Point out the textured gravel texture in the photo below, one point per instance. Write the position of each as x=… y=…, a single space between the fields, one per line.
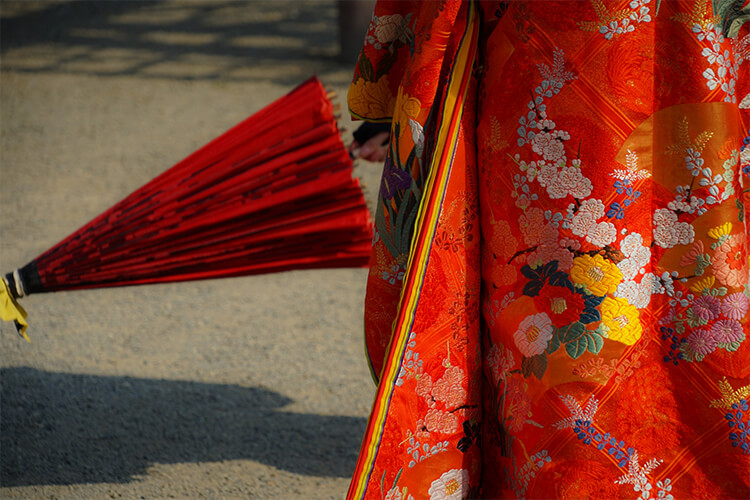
x=250 y=387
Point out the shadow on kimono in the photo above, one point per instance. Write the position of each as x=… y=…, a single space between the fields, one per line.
x=62 y=428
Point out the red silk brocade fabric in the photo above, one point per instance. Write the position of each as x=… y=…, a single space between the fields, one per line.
x=558 y=299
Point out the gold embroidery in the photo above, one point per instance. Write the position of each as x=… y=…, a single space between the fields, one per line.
x=697 y=16
x=684 y=143
x=604 y=15
x=729 y=396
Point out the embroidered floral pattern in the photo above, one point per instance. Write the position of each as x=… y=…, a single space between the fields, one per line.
x=593 y=217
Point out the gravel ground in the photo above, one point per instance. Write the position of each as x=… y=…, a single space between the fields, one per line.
x=250 y=387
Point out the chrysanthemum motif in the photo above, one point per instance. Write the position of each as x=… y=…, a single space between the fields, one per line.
x=702 y=342
x=727 y=331
x=451 y=485
x=533 y=334
x=706 y=307
x=735 y=306
x=719 y=231
x=703 y=284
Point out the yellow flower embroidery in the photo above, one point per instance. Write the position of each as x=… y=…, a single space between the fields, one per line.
x=371 y=100
x=622 y=319
x=703 y=284
x=598 y=274
x=719 y=231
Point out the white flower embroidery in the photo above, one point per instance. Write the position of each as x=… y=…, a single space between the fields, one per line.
x=533 y=334
x=452 y=485
x=668 y=232
x=569 y=180
x=602 y=234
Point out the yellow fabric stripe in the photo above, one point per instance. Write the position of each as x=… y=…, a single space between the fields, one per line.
x=427 y=219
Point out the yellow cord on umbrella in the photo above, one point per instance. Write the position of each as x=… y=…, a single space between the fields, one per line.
x=11 y=310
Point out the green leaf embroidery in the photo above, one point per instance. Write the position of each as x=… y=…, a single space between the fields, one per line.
x=572 y=332
x=576 y=348
x=596 y=342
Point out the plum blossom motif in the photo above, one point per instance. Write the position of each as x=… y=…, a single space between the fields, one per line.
x=533 y=334
x=585 y=218
x=440 y=421
x=602 y=234
x=637 y=256
x=531 y=223
x=669 y=232
x=500 y=361
x=549 y=250
x=449 y=389
x=548 y=143
x=568 y=180
x=451 y=485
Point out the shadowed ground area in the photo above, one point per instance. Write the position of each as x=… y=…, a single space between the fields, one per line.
x=205 y=40
x=252 y=387
x=59 y=428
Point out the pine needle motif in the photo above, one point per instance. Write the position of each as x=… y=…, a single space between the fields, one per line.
x=697 y=16
x=604 y=15
x=685 y=145
x=729 y=395
x=557 y=74
x=496 y=143
x=632 y=173
x=576 y=412
x=637 y=474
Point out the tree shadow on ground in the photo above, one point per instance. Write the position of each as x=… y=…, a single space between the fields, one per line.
x=60 y=428
x=281 y=41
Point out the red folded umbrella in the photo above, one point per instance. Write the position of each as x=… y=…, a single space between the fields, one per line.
x=273 y=193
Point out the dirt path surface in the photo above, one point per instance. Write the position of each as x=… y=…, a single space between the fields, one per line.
x=240 y=388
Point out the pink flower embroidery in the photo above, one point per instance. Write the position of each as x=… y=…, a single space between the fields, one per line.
x=449 y=388
x=702 y=342
x=533 y=334
x=424 y=385
x=735 y=305
x=500 y=362
x=441 y=421
x=531 y=224
x=729 y=262
x=706 y=307
x=727 y=331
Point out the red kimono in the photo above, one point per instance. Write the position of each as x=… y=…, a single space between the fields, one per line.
x=558 y=298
